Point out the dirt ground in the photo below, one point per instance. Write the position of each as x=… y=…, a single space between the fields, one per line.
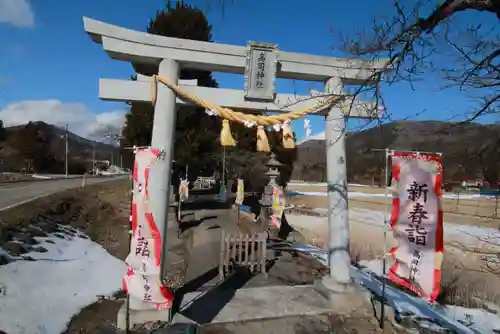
x=327 y=324
x=102 y=212
x=97 y=210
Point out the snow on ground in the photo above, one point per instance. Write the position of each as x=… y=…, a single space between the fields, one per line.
x=36 y=176
x=477 y=321
x=323 y=184
x=41 y=296
x=371 y=195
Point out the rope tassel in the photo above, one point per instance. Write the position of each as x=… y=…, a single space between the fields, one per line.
x=226 y=138
x=262 y=142
x=288 y=140
x=154 y=89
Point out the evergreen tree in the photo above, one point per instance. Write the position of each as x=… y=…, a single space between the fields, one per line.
x=197 y=134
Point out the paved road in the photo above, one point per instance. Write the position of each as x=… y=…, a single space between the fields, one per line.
x=21 y=192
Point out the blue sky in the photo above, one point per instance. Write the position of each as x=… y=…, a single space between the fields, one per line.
x=49 y=67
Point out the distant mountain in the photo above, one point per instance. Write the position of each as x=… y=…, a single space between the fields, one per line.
x=40 y=147
x=469 y=150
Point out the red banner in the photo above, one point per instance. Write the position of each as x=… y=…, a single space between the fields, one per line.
x=142 y=280
x=417 y=223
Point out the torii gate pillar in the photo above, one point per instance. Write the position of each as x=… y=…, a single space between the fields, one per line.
x=163 y=137
x=339 y=260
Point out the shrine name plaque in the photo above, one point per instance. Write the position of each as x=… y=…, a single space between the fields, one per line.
x=260 y=71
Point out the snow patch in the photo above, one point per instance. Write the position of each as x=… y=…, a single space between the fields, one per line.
x=41 y=296
x=460 y=319
x=296 y=183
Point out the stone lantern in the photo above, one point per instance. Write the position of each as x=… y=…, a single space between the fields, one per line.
x=266 y=201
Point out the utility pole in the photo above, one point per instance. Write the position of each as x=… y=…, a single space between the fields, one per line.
x=66 y=152
x=93 y=158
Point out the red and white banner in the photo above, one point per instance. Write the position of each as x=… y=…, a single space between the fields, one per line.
x=279 y=203
x=142 y=280
x=417 y=223
x=240 y=192
x=183 y=190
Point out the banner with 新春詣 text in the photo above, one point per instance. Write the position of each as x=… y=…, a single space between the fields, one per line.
x=240 y=192
x=417 y=223
x=142 y=280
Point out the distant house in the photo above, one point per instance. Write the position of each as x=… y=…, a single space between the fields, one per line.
x=470 y=183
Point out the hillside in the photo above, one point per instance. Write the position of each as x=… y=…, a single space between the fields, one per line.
x=469 y=150
x=40 y=147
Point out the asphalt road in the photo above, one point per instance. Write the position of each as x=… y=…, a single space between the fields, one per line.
x=13 y=194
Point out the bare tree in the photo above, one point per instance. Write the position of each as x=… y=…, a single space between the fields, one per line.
x=408 y=39
x=109 y=134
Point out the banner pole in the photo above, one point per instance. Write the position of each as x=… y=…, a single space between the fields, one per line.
x=179 y=210
x=127 y=301
x=384 y=259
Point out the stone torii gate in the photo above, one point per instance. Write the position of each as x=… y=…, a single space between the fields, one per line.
x=172 y=54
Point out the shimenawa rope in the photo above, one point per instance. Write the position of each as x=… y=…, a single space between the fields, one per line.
x=249 y=120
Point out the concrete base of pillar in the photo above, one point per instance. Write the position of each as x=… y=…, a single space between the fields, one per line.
x=139 y=317
x=343 y=298
x=328 y=283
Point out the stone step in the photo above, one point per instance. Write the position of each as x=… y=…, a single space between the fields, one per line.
x=222 y=306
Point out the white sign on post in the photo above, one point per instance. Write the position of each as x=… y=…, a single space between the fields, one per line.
x=260 y=71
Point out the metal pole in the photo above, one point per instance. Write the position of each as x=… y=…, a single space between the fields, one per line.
x=66 y=152
x=384 y=259
x=223 y=190
x=179 y=215
x=127 y=301
x=495 y=215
